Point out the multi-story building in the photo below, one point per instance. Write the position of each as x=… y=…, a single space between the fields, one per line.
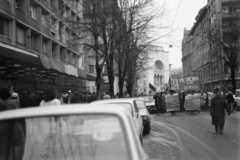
x=199 y=54
x=39 y=45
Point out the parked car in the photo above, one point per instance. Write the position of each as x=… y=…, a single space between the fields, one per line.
x=150 y=103
x=129 y=104
x=237 y=99
x=69 y=132
x=146 y=119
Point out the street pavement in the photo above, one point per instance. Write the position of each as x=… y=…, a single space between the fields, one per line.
x=192 y=137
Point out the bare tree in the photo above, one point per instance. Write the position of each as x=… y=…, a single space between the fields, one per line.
x=135 y=34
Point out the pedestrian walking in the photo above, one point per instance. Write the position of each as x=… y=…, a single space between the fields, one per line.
x=217 y=111
x=230 y=101
x=50 y=97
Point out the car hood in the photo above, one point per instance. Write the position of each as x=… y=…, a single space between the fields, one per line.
x=143 y=112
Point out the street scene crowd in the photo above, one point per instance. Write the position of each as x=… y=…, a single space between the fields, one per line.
x=215 y=102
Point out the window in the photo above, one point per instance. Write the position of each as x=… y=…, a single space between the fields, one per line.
x=91 y=68
x=44 y=19
x=44 y=46
x=20 y=34
x=4 y=27
x=34 y=42
x=33 y=11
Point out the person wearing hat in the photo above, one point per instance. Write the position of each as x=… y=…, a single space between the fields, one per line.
x=217 y=111
x=69 y=97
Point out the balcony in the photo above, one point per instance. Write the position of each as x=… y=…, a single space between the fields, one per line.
x=45 y=3
x=35 y=24
x=4 y=39
x=5 y=7
x=20 y=15
x=46 y=30
x=56 y=12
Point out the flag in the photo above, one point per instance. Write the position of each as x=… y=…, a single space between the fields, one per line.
x=152 y=87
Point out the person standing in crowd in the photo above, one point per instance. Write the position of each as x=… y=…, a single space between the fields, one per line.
x=158 y=99
x=6 y=103
x=69 y=97
x=217 y=111
x=76 y=98
x=50 y=97
x=203 y=100
x=173 y=112
x=27 y=99
x=230 y=101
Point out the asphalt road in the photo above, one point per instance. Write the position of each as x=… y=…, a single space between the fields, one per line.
x=192 y=137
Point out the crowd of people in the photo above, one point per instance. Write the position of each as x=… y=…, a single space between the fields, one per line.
x=11 y=99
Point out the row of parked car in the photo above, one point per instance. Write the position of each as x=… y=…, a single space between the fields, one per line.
x=102 y=130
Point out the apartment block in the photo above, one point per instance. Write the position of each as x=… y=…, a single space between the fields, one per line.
x=40 y=45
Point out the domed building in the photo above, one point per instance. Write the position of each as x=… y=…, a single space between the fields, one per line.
x=157 y=73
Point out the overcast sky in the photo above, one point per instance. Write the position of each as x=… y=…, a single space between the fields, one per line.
x=185 y=17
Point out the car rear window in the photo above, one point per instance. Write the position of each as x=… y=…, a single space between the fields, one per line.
x=128 y=106
x=85 y=137
x=140 y=104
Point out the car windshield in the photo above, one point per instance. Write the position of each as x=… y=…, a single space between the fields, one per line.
x=64 y=137
x=140 y=104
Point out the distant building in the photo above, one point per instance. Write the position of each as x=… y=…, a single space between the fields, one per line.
x=158 y=71
x=198 y=55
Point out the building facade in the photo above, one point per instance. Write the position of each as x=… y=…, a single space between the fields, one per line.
x=157 y=73
x=39 y=45
x=199 y=55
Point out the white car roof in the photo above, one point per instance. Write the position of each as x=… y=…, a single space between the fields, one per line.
x=129 y=100
x=63 y=110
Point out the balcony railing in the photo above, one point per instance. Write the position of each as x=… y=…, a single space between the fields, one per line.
x=35 y=23
x=45 y=3
x=46 y=30
x=20 y=15
x=4 y=39
x=5 y=7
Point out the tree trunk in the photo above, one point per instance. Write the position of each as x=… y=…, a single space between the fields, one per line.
x=120 y=85
x=99 y=82
x=233 y=80
x=110 y=72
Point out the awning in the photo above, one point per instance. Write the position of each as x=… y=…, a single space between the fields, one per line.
x=91 y=77
x=70 y=70
x=18 y=54
x=45 y=62
x=82 y=73
x=59 y=66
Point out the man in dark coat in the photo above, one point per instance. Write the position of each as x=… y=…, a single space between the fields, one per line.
x=230 y=101
x=218 y=104
x=158 y=99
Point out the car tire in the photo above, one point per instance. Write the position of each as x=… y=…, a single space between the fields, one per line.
x=147 y=129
